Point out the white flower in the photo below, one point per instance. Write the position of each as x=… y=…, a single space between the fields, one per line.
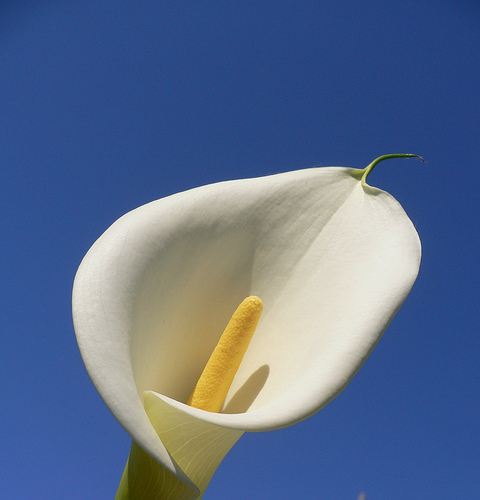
x=332 y=258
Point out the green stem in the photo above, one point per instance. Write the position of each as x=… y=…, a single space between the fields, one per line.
x=370 y=167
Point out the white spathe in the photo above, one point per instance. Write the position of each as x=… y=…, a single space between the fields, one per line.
x=331 y=258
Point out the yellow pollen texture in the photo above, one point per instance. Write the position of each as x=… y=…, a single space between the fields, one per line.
x=217 y=376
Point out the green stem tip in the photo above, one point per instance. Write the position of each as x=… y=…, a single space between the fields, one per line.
x=370 y=167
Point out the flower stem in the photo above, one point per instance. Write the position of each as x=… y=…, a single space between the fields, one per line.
x=367 y=170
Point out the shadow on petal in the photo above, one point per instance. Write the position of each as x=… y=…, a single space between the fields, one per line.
x=246 y=395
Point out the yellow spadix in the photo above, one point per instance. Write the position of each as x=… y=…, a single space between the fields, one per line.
x=217 y=377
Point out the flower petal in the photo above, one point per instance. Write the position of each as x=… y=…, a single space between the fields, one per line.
x=332 y=260
x=197 y=446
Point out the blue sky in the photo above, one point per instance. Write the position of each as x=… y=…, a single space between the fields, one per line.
x=107 y=105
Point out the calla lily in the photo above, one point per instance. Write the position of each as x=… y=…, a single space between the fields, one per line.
x=331 y=257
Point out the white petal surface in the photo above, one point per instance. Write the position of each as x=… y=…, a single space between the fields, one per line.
x=331 y=259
